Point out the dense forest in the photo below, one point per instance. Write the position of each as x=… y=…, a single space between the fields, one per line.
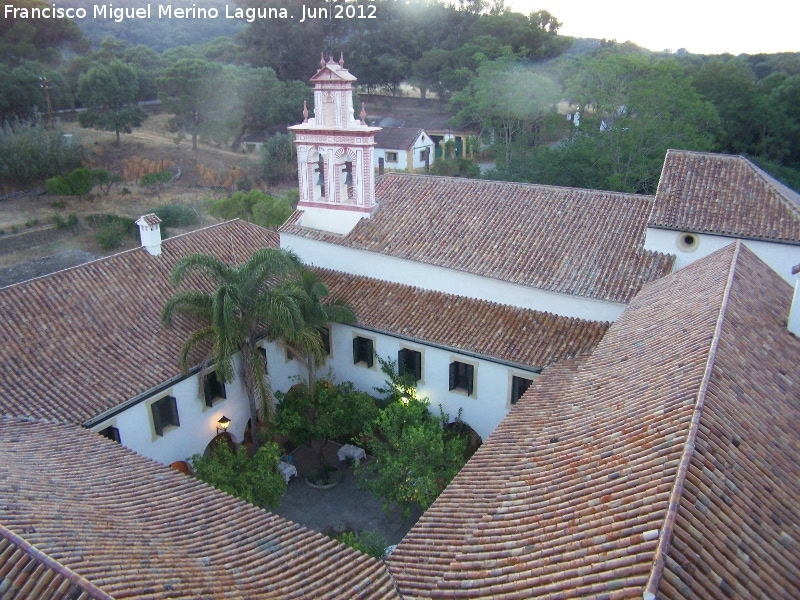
x=502 y=74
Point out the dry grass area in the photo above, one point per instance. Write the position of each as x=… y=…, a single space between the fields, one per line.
x=206 y=173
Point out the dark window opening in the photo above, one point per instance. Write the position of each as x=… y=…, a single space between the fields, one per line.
x=111 y=433
x=213 y=388
x=462 y=377
x=363 y=351
x=165 y=414
x=410 y=362
x=391 y=157
x=325 y=334
x=519 y=385
x=263 y=353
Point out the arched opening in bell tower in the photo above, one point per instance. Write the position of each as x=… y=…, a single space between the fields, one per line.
x=318 y=175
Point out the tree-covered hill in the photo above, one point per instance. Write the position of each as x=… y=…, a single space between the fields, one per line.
x=155 y=33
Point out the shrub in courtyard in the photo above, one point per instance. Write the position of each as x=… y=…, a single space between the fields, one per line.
x=279 y=159
x=335 y=412
x=456 y=167
x=110 y=230
x=176 y=215
x=255 y=479
x=413 y=457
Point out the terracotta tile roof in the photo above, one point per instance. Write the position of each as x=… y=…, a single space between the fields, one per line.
x=689 y=401
x=582 y=242
x=725 y=195
x=737 y=531
x=397 y=138
x=526 y=337
x=149 y=219
x=137 y=529
x=95 y=328
x=27 y=574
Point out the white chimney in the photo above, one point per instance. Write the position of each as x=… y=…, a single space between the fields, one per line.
x=794 y=313
x=150 y=232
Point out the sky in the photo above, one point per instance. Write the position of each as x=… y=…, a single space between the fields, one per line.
x=700 y=26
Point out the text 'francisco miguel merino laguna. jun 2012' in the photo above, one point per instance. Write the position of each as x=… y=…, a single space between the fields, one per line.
x=335 y=10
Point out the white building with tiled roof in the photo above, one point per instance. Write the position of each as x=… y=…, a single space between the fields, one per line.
x=655 y=457
x=403 y=149
x=576 y=253
x=706 y=201
x=86 y=346
x=663 y=465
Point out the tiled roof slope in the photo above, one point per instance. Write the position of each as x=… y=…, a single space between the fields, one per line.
x=571 y=495
x=83 y=340
x=26 y=574
x=526 y=337
x=581 y=242
x=137 y=529
x=401 y=138
x=725 y=195
x=737 y=531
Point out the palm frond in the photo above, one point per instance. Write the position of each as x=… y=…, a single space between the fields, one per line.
x=187 y=302
x=339 y=311
x=267 y=266
x=204 y=264
x=197 y=337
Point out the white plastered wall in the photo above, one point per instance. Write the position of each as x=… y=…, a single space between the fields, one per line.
x=198 y=422
x=482 y=410
x=781 y=257
x=431 y=277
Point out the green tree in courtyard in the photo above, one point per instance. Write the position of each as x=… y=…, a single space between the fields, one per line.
x=414 y=456
x=331 y=412
x=246 y=303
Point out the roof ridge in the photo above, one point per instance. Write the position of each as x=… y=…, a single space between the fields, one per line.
x=786 y=195
x=118 y=254
x=51 y=563
x=523 y=184
x=665 y=538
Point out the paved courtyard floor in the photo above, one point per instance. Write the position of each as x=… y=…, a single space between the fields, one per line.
x=341 y=506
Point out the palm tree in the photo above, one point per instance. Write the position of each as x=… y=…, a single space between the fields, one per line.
x=305 y=344
x=248 y=302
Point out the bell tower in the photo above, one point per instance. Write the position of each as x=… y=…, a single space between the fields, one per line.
x=334 y=154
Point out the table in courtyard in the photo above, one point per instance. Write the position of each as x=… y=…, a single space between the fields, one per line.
x=350 y=451
x=288 y=471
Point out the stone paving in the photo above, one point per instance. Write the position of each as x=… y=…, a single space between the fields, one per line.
x=342 y=506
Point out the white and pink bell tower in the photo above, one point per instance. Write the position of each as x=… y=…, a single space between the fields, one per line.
x=334 y=155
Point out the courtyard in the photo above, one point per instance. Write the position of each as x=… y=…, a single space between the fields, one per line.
x=342 y=507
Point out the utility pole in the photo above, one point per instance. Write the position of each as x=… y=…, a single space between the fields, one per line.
x=45 y=85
